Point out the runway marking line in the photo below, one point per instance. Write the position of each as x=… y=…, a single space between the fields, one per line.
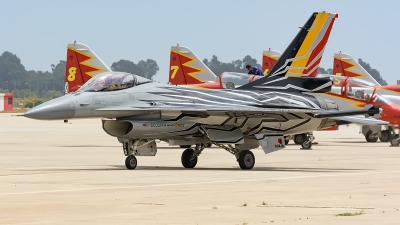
x=194 y=183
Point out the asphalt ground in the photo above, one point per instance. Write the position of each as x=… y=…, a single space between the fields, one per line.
x=73 y=173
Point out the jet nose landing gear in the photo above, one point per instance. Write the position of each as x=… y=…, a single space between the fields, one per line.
x=131 y=162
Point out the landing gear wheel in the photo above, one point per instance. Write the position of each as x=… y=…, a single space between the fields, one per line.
x=187 y=158
x=185 y=146
x=287 y=140
x=131 y=162
x=394 y=141
x=306 y=144
x=208 y=145
x=246 y=160
x=386 y=136
x=299 y=138
x=369 y=137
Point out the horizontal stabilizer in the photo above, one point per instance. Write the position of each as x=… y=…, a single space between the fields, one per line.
x=271 y=142
x=291 y=84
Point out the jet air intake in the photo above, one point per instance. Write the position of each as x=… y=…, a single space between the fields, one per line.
x=117 y=128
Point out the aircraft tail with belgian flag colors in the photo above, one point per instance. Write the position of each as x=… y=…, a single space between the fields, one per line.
x=186 y=68
x=269 y=59
x=301 y=58
x=82 y=64
x=345 y=65
x=304 y=54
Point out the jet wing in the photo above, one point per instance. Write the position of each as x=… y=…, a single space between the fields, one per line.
x=212 y=110
x=246 y=111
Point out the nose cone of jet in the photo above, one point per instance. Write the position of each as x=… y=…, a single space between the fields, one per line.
x=59 y=108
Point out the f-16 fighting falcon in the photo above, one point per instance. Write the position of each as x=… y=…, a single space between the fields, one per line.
x=234 y=120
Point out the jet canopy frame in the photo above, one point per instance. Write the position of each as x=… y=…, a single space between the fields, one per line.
x=112 y=81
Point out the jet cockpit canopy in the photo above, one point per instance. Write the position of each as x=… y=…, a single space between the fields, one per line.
x=112 y=81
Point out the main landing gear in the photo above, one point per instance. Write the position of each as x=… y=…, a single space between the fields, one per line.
x=189 y=158
x=386 y=136
x=370 y=137
x=305 y=140
x=299 y=138
x=246 y=160
x=395 y=141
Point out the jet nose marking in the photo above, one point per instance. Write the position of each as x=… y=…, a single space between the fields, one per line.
x=52 y=110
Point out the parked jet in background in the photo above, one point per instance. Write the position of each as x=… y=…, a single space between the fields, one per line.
x=345 y=65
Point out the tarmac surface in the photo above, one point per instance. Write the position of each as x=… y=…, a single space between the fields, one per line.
x=57 y=173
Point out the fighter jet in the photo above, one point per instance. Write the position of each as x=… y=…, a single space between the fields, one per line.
x=234 y=120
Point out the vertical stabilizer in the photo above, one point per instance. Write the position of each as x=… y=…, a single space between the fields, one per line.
x=303 y=55
x=345 y=65
x=269 y=59
x=301 y=58
x=82 y=64
x=186 y=68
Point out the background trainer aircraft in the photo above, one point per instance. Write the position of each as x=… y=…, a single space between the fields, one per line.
x=345 y=65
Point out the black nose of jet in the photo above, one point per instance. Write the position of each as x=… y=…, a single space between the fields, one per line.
x=60 y=108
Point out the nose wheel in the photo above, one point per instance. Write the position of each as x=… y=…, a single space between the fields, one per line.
x=131 y=162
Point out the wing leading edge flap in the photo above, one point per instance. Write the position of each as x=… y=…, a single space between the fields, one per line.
x=271 y=142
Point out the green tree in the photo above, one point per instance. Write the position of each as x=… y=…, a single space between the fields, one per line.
x=11 y=70
x=145 y=69
x=374 y=73
x=321 y=70
x=148 y=67
x=239 y=66
x=249 y=60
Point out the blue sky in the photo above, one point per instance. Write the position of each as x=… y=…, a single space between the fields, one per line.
x=38 y=31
